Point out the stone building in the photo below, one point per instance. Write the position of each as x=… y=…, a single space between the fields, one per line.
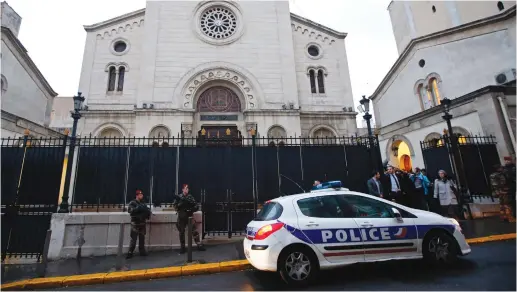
x=177 y=67
x=27 y=97
x=462 y=50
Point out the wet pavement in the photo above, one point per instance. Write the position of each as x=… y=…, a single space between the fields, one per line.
x=214 y=253
x=490 y=266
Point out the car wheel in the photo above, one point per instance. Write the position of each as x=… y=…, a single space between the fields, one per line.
x=440 y=248
x=298 y=266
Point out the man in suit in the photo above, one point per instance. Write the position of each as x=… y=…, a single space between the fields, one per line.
x=392 y=185
x=375 y=185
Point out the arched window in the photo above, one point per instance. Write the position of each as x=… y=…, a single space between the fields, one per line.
x=276 y=132
x=323 y=136
x=312 y=78
x=112 y=75
x=435 y=92
x=121 y=73
x=321 y=85
x=500 y=5
x=218 y=99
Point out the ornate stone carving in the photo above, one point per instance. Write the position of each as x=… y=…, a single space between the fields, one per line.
x=122 y=28
x=219 y=74
x=316 y=35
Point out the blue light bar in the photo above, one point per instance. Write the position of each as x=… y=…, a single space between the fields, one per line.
x=335 y=184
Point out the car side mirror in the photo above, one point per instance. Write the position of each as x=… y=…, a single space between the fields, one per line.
x=397 y=214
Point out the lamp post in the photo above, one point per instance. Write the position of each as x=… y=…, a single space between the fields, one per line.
x=76 y=115
x=364 y=108
x=456 y=158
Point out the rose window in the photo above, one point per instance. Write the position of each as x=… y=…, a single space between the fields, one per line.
x=218 y=23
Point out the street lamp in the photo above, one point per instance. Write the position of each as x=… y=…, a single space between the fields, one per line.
x=457 y=163
x=76 y=115
x=364 y=108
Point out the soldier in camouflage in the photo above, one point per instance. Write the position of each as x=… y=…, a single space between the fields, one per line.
x=139 y=213
x=186 y=205
x=500 y=189
x=509 y=172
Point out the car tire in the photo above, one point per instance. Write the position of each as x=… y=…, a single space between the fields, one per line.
x=298 y=266
x=440 y=248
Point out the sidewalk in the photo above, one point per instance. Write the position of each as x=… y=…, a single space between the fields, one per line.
x=214 y=253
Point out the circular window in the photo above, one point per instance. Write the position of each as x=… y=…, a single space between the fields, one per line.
x=218 y=23
x=421 y=63
x=120 y=46
x=313 y=51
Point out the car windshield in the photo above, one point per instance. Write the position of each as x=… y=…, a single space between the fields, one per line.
x=270 y=211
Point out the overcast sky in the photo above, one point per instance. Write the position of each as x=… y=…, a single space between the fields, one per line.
x=52 y=32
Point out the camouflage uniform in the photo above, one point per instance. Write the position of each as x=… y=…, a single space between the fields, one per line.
x=139 y=214
x=500 y=190
x=184 y=205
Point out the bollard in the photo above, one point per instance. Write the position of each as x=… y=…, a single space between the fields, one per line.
x=42 y=267
x=189 y=235
x=120 y=254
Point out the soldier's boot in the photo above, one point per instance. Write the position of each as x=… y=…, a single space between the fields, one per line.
x=182 y=248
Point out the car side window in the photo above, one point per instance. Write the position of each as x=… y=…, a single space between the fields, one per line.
x=368 y=208
x=322 y=207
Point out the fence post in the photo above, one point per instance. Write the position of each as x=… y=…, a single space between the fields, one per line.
x=189 y=235
x=120 y=247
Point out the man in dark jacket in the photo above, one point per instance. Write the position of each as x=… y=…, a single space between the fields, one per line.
x=185 y=206
x=392 y=184
x=139 y=213
x=374 y=185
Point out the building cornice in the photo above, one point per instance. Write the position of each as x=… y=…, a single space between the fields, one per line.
x=11 y=39
x=407 y=51
x=315 y=25
x=31 y=126
x=115 y=20
x=456 y=102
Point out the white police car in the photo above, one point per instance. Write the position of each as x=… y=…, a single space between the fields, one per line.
x=300 y=234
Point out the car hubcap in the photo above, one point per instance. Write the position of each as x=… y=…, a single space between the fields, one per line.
x=298 y=266
x=440 y=248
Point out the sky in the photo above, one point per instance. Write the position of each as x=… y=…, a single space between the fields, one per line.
x=52 y=32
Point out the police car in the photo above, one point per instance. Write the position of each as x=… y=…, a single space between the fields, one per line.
x=330 y=227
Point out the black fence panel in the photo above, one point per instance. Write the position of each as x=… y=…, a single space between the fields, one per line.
x=192 y=168
x=359 y=167
x=139 y=173
x=101 y=176
x=323 y=163
x=489 y=158
x=216 y=188
x=436 y=159
x=164 y=175
x=478 y=183
x=290 y=164
x=11 y=164
x=41 y=175
x=241 y=187
x=267 y=174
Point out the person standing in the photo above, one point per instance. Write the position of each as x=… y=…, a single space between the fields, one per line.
x=421 y=189
x=509 y=171
x=500 y=189
x=391 y=184
x=139 y=213
x=443 y=190
x=185 y=206
x=316 y=184
x=374 y=185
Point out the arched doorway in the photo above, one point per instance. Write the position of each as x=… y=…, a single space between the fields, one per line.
x=400 y=155
x=219 y=111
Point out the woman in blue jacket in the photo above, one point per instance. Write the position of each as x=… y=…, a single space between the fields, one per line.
x=421 y=199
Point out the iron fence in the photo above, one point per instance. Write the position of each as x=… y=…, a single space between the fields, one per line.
x=478 y=154
x=229 y=176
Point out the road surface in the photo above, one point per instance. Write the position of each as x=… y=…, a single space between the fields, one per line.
x=490 y=266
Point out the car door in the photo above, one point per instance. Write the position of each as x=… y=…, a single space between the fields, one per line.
x=384 y=236
x=332 y=231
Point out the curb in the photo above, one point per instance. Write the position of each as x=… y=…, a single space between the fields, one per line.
x=126 y=276
x=169 y=272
